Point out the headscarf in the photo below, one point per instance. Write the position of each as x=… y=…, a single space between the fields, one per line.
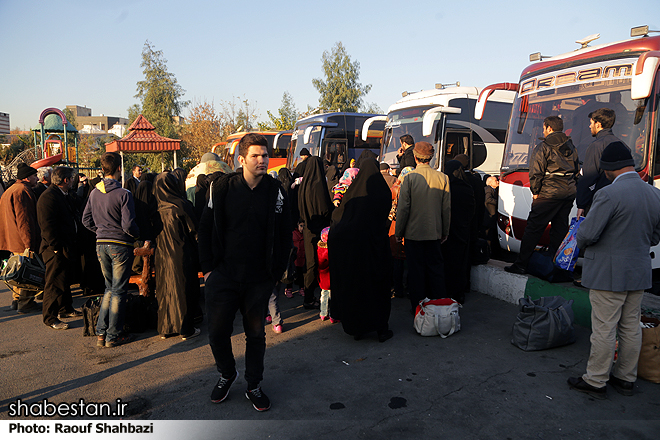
x=167 y=191
x=181 y=174
x=313 y=197
x=454 y=170
x=349 y=176
x=366 y=154
x=404 y=173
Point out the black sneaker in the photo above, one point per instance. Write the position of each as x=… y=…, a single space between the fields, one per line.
x=516 y=268
x=259 y=400
x=221 y=389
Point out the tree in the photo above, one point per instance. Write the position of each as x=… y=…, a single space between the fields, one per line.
x=202 y=129
x=341 y=90
x=288 y=115
x=240 y=117
x=70 y=117
x=161 y=98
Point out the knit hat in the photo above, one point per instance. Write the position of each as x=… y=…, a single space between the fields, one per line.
x=304 y=152
x=25 y=171
x=423 y=150
x=209 y=156
x=384 y=166
x=616 y=156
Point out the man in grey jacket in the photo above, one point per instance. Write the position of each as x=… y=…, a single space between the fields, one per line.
x=620 y=228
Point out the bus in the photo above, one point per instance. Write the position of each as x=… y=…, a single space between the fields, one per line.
x=444 y=117
x=278 y=146
x=622 y=76
x=338 y=136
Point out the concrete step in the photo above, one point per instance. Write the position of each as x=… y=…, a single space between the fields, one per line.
x=491 y=279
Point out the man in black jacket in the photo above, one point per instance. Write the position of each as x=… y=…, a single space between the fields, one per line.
x=244 y=243
x=57 y=221
x=405 y=154
x=553 y=169
x=593 y=178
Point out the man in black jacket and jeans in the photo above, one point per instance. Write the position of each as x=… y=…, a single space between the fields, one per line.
x=553 y=168
x=244 y=243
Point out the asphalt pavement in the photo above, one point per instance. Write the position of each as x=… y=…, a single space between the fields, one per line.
x=325 y=385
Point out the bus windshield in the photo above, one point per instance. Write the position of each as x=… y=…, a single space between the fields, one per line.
x=400 y=122
x=573 y=104
x=298 y=142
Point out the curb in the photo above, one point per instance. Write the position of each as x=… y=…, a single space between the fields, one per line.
x=491 y=279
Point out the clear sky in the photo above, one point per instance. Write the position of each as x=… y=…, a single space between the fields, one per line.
x=88 y=52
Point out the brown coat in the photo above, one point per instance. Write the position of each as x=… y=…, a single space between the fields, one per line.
x=19 y=229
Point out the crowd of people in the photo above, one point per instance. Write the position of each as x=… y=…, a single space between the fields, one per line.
x=361 y=232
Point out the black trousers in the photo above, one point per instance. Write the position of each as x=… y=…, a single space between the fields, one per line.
x=426 y=271
x=544 y=211
x=224 y=297
x=311 y=263
x=57 y=292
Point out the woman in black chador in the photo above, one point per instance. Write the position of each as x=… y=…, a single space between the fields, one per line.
x=175 y=260
x=456 y=250
x=316 y=210
x=359 y=255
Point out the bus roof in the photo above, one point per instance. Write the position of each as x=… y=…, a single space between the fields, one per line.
x=618 y=49
x=324 y=116
x=443 y=96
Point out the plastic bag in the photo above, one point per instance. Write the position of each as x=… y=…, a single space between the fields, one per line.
x=567 y=254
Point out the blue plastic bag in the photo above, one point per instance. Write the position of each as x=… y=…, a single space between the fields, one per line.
x=567 y=254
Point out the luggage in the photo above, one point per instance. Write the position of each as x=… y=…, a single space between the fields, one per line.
x=541 y=266
x=543 y=323
x=25 y=271
x=141 y=314
x=90 y=312
x=649 y=357
x=437 y=317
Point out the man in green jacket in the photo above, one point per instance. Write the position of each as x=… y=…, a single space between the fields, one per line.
x=423 y=216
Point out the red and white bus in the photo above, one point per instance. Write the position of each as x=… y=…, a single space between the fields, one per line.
x=622 y=76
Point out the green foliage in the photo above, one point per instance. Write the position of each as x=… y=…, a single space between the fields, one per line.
x=288 y=115
x=341 y=90
x=70 y=117
x=161 y=98
x=159 y=93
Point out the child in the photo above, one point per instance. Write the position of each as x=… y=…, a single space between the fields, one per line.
x=339 y=189
x=299 y=243
x=324 y=276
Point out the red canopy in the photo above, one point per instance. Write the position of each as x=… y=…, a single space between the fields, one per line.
x=143 y=139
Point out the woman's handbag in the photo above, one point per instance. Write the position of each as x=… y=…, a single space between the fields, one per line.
x=543 y=323
x=437 y=317
x=290 y=273
x=25 y=271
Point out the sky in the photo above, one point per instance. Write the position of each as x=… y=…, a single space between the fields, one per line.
x=88 y=52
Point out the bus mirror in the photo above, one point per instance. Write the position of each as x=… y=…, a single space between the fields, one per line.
x=645 y=70
x=429 y=118
x=486 y=92
x=308 y=132
x=368 y=123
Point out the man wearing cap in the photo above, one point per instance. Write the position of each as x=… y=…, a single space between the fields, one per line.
x=19 y=229
x=385 y=171
x=422 y=218
x=300 y=168
x=623 y=223
x=553 y=168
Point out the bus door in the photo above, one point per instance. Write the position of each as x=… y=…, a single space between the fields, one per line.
x=456 y=141
x=335 y=151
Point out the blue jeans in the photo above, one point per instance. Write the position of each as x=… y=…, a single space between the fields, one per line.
x=116 y=261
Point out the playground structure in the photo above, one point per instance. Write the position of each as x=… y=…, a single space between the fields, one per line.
x=51 y=144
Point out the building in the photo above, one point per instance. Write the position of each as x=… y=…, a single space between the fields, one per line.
x=4 y=123
x=86 y=123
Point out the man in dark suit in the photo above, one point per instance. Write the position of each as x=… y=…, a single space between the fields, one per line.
x=58 y=248
x=620 y=228
x=133 y=181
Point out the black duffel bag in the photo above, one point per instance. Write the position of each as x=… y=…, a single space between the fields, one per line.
x=25 y=271
x=543 y=323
